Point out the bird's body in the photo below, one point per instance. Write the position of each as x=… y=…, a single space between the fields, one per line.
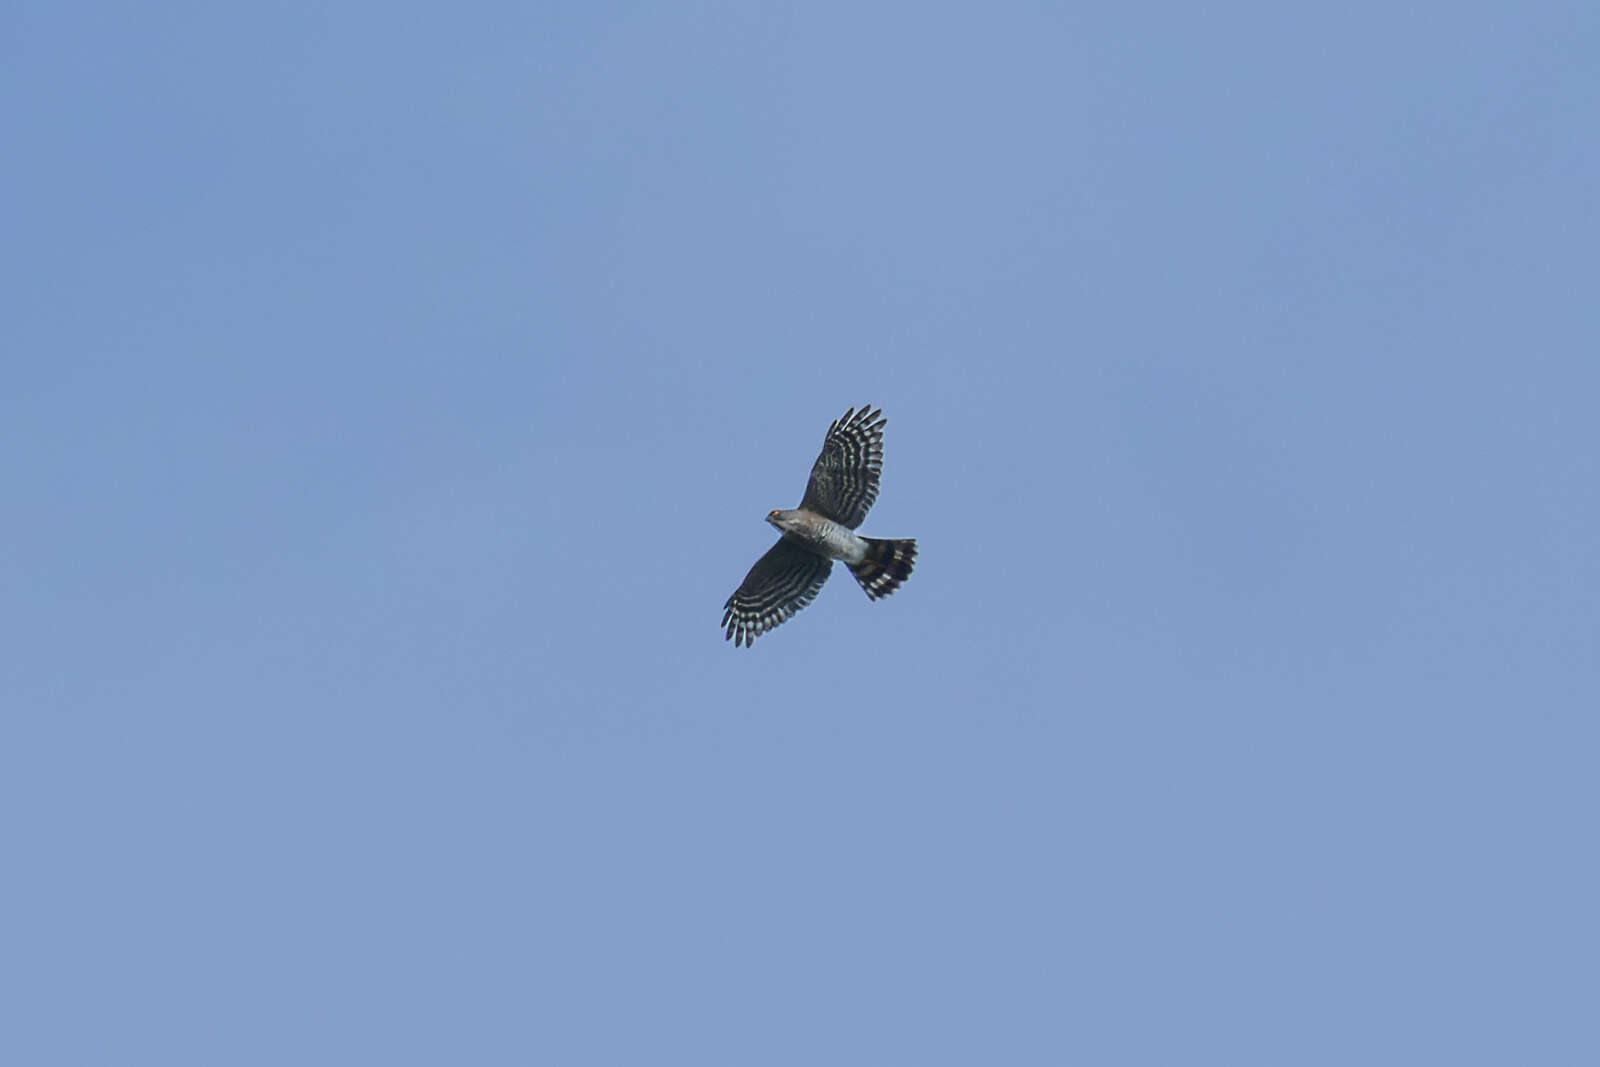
x=843 y=486
x=820 y=534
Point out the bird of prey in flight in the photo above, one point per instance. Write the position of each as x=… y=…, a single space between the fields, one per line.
x=843 y=485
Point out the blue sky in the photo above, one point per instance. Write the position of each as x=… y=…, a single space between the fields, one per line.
x=395 y=393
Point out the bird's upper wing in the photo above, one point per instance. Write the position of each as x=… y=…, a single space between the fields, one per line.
x=844 y=480
x=782 y=582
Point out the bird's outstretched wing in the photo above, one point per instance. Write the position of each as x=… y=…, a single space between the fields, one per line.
x=844 y=480
x=782 y=582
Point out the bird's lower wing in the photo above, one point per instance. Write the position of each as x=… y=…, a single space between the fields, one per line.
x=782 y=582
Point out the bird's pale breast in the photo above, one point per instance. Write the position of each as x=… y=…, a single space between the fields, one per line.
x=825 y=536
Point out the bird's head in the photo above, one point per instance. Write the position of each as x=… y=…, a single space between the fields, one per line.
x=775 y=516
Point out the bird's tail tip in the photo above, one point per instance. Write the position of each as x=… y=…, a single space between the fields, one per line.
x=888 y=563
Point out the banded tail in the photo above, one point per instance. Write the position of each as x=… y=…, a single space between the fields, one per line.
x=888 y=563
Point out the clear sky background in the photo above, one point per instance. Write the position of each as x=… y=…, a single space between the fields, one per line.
x=394 y=393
